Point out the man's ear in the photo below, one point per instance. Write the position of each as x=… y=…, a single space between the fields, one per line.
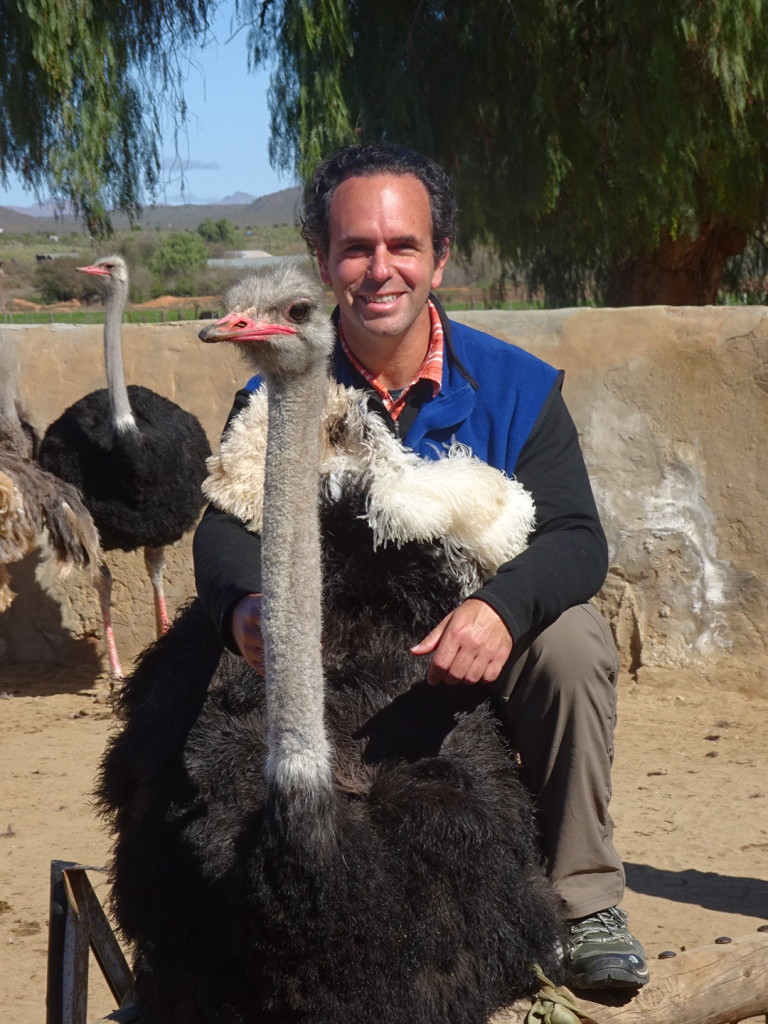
x=437 y=277
x=322 y=266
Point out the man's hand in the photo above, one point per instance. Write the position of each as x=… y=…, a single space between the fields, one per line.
x=470 y=645
x=246 y=630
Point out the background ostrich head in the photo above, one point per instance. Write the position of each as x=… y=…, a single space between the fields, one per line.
x=282 y=306
x=112 y=269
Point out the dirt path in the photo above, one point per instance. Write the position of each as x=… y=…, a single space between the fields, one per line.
x=690 y=797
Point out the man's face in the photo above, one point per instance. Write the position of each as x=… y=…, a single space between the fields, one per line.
x=380 y=260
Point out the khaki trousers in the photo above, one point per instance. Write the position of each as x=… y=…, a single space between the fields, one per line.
x=557 y=699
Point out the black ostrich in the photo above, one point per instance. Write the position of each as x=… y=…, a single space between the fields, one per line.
x=137 y=458
x=339 y=842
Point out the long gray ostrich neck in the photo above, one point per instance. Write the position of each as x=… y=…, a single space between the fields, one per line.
x=298 y=760
x=122 y=416
x=11 y=434
x=8 y=418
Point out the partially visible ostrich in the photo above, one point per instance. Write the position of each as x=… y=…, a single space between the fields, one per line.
x=339 y=842
x=16 y=434
x=33 y=501
x=137 y=458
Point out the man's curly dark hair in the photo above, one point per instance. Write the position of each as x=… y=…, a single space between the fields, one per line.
x=365 y=160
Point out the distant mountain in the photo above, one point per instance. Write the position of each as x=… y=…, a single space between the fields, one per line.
x=236 y=199
x=276 y=208
x=48 y=208
x=241 y=209
x=13 y=219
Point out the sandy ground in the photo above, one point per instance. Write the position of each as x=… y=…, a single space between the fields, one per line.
x=690 y=796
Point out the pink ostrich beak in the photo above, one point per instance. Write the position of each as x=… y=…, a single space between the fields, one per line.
x=236 y=327
x=93 y=270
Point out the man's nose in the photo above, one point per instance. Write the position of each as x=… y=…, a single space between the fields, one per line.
x=380 y=264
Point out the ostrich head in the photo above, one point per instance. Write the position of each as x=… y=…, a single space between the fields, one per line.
x=278 y=317
x=113 y=271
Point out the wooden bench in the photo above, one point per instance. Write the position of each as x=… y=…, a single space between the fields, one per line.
x=722 y=983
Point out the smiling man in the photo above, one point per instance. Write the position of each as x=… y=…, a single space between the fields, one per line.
x=381 y=264
x=381 y=219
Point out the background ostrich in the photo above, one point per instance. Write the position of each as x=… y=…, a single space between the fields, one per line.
x=340 y=842
x=137 y=458
x=31 y=500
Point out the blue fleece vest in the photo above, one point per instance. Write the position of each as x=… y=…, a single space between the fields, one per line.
x=489 y=400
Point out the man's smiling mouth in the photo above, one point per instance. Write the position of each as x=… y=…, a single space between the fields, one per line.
x=380 y=300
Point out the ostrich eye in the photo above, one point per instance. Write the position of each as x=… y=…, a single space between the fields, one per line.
x=299 y=312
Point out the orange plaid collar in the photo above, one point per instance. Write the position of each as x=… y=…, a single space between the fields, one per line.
x=431 y=368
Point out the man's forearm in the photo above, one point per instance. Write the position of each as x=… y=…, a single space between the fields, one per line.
x=556 y=572
x=227 y=560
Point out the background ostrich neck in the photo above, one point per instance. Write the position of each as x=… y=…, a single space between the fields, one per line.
x=7 y=391
x=299 y=757
x=11 y=433
x=122 y=417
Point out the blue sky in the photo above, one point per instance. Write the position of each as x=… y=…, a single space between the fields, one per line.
x=227 y=135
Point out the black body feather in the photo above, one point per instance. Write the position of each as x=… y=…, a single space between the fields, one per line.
x=142 y=487
x=410 y=893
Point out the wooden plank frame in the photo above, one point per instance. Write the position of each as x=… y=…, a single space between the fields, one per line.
x=722 y=983
x=77 y=924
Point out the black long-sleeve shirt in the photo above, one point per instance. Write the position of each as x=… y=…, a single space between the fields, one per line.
x=564 y=564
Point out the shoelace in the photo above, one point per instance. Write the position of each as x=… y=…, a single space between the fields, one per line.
x=611 y=922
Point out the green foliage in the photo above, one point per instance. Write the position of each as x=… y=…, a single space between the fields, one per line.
x=579 y=133
x=137 y=244
x=58 y=281
x=137 y=249
x=83 y=84
x=178 y=253
x=211 y=230
x=142 y=283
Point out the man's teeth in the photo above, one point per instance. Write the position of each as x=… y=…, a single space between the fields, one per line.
x=381 y=300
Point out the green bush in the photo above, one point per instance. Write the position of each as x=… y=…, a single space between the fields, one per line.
x=142 y=283
x=216 y=230
x=179 y=253
x=58 y=281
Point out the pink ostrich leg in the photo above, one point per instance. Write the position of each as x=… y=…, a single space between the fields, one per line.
x=104 y=589
x=154 y=559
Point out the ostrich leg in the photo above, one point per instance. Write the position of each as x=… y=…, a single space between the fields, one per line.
x=104 y=590
x=154 y=559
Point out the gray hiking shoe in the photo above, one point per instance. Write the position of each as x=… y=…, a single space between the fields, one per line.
x=601 y=952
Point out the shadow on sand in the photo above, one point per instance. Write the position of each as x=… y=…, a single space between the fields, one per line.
x=729 y=894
